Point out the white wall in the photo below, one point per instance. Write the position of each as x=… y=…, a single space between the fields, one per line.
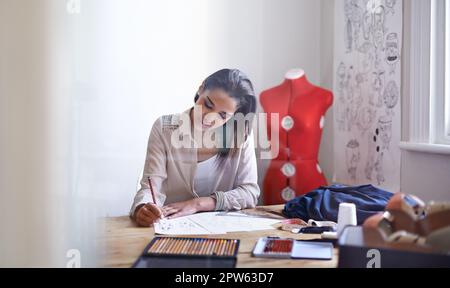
x=33 y=134
x=326 y=153
x=137 y=60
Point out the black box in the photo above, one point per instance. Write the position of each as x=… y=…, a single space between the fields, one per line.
x=357 y=251
x=149 y=260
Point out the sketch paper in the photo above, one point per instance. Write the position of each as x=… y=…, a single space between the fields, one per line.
x=181 y=226
x=213 y=223
x=367 y=89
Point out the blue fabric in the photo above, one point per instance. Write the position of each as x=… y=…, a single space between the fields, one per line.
x=323 y=204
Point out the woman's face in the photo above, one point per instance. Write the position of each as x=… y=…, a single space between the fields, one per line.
x=217 y=107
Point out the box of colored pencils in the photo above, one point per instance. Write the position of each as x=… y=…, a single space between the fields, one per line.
x=274 y=247
x=172 y=252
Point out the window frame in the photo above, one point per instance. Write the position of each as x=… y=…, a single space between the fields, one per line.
x=427 y=106
x=447 y=70
x=438 y=74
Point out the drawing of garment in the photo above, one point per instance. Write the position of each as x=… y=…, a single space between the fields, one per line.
x=371 y=152
x=390 y=6
x=349 y=37
x=391 y=97
x=378 y=86
x=340 y=114
x=369 y=42
x=392 y=52
x=353 y=157
x=366 y=118
x=367 y=25
x=351 y=114
x=379 y=169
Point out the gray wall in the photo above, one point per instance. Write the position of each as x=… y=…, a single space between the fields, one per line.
x=326 y=155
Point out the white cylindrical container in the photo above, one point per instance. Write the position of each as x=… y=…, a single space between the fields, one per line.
x=346 y=216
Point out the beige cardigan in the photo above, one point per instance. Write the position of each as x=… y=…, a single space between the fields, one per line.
x=172 y=169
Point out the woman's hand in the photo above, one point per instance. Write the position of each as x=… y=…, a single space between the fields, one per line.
x=189 y=207
x=147 y=214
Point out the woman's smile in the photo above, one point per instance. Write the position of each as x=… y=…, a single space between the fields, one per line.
x=215 y=107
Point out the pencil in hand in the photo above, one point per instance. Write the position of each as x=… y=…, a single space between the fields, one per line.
x=151 y=189
x=153 y=195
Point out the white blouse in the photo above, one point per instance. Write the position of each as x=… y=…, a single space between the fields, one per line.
x=205 y=175
x=171 y=165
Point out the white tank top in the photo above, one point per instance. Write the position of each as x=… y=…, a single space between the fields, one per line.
x=205 y=176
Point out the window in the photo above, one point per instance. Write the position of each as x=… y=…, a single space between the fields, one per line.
x=439 y=75
x=427 y=76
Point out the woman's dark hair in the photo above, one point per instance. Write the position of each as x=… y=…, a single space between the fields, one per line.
x=239 y=87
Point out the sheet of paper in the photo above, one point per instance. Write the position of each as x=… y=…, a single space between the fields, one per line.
x=181 y=226
x=234 y=223
x=213 y=223
x=308 y=250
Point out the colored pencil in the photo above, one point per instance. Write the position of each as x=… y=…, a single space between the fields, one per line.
x=203 y=248
x=233 y=247
x=162 y=245
x=176 y=246
x=155 y=246
x=191 y=246
x=209 y=246
x=228 y=247
x=151 y=189
x=219 y=250
x=185 y=245
x=182 y=244
x=222 y=246
x=171 y=245
x=199 y=246
x=168 y=245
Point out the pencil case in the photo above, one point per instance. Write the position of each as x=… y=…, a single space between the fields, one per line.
x=173 y=252
x=274 y=247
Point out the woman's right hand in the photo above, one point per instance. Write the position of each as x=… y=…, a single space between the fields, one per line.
x=147 y=214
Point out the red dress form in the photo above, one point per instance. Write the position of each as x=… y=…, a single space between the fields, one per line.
x=301 y=107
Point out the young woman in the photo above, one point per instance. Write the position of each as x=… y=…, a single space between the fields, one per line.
x=202 y=159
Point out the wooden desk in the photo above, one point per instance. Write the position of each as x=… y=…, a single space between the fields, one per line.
x=122 y=242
